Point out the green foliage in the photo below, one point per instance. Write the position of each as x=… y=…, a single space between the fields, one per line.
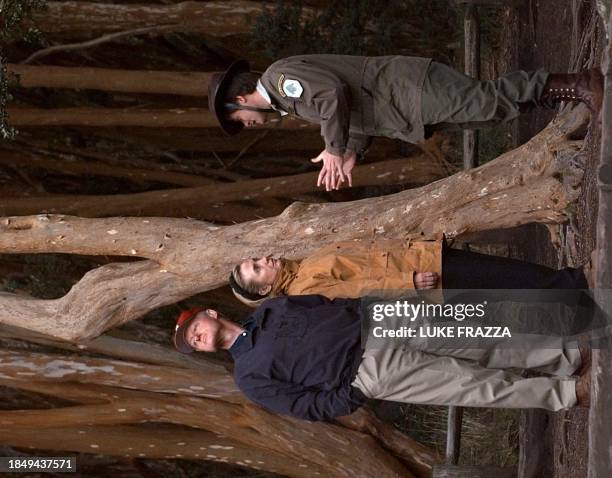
x=344 y=27
x=13 y=14
x=13 y=27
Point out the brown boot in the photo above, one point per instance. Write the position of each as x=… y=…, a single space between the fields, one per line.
x=583 y=388
x=586 y=87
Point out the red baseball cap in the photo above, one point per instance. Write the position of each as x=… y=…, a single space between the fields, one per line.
x=183 y=321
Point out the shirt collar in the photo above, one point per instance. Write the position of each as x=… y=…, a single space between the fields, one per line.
x=285 y=276
x=246 y=334
x=266 y=96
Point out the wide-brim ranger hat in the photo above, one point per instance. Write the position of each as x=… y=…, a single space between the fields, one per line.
x=183 y=321
x=217 y=90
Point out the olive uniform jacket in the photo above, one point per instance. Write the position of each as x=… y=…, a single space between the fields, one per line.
x=357 y=269
x=352 y=97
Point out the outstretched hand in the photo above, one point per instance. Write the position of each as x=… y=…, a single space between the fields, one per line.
x=331 y=173
x=335 y=169
x=425 y=280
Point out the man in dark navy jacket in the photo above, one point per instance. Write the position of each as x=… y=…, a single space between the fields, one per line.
x=302 y=356
x=295 y=355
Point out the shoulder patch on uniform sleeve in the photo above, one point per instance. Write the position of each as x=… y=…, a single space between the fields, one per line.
x=279 y=86
x=291 y=88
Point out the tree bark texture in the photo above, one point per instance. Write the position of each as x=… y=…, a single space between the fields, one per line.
x=207 y=381
x=86 y=18
x=455 y=471
x=148 y=118
x=158 y=442
x=128 y=81
x=196 y=202
x=534 y=183
x=122 y=396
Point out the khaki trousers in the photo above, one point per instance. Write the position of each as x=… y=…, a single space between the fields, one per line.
x=471 y=377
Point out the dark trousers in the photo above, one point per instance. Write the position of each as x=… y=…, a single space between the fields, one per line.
x=470 y=270
x=549 y=307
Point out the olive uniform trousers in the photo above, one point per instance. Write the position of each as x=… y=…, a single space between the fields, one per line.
x=453 y=101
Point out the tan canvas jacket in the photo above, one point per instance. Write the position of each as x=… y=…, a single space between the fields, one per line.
x=356 y=269
x=351 y=97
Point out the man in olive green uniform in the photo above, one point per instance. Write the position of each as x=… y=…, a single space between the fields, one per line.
x=354 y=98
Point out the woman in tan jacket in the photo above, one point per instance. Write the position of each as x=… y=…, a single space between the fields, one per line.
x=389 y=269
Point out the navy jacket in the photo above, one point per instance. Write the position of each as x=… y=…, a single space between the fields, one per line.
x=299 y=355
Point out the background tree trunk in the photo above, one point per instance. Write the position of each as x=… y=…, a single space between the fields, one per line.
x=149 y=118
x=85 y=18
x=278 y=142
x=192 y=202
x=104 y=79
x=90 y=168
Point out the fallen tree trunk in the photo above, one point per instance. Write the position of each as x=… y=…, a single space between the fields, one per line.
x=149 y=118
x=534 y=183
x=129 y=81
x=191 y=201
